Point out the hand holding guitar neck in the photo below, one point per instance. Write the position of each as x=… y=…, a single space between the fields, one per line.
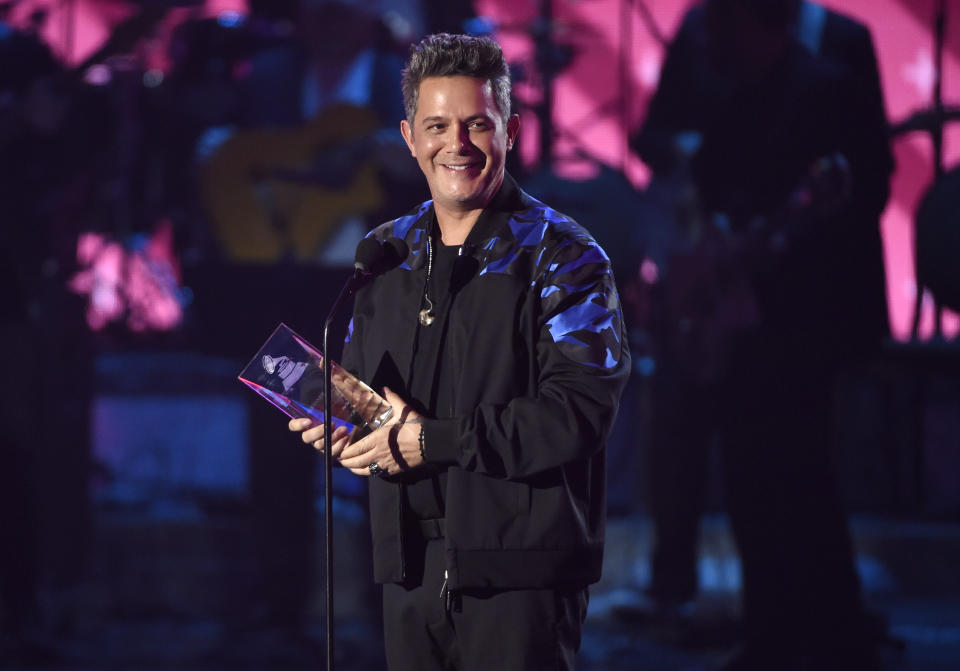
x=708 y=297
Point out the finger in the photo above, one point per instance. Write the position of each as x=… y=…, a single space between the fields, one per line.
x=354 y=462
x=339 y=438
x=360 y=447
x=311 y=436
x=337 y=448
x=299 y=423
x=364 y=460
x=402 y=410
x=362 y=466
x=395 y=400
x=339 y=445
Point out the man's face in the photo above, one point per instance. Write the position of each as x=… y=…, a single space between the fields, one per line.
x=460 y=140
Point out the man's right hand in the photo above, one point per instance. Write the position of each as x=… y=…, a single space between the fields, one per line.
x=312 y=434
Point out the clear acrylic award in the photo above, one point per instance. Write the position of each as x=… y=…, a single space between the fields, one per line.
x=288 y=372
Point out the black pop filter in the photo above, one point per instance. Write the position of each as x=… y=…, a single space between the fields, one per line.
x=370 y=253
x=375 y=258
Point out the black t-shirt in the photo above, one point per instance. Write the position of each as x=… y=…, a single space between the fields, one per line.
x=431 y=383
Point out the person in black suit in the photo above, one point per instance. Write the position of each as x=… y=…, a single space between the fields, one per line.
x=753 y=93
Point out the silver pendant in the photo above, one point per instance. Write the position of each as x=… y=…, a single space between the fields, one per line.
x=426 y=317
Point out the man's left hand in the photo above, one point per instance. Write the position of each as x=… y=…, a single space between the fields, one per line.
x=394 y=447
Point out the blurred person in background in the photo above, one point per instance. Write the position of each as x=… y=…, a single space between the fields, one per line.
x=768 y=123
x=45 y=142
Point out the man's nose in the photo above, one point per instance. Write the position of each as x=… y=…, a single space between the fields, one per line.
x=460 y=138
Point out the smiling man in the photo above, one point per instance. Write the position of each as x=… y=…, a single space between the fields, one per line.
x=460 y=138
x=500 y=345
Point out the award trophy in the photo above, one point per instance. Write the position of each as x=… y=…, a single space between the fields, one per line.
x=288 y=372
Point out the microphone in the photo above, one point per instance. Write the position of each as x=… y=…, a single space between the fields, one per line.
x=369 y=254
x=375 y=258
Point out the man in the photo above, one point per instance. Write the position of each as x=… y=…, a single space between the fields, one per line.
x=500 y=345
x=743 y=97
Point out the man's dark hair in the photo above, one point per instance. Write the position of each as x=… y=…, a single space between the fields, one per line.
x=445 y=55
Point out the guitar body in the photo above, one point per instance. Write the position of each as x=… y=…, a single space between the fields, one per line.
x=704 y=301
x=705 y=309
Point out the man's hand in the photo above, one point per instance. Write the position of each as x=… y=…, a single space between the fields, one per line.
x=313 y=434
x=394 y=447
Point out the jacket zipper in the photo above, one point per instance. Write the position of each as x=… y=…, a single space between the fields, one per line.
x=401 y=488
x=446 y=595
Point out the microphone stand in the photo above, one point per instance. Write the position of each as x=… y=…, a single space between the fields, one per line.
x=932 y=120
x=373 y=257
x=347 y=289
x=939 y=26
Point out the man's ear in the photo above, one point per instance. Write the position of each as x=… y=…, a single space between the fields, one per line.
x=513 y=130
x=407 y=133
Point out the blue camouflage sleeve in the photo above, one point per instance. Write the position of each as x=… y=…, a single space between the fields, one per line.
x=580 y=305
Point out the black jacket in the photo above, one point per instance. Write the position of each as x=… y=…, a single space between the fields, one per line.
x=537 y=341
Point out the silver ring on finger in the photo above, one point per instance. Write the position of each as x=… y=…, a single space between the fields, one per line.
x=376 y=469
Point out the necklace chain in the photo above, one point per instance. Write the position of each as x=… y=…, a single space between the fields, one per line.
x=426 y=313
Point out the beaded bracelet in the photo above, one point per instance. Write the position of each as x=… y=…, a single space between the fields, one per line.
x=422 y=455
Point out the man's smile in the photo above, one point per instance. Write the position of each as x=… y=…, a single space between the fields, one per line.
x=460 y=167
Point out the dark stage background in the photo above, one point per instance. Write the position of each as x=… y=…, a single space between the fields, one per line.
x=181 y=176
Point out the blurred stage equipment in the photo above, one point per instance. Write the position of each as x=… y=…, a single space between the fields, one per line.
x=938 y=243
x=937 y=221
x=551 y=58
x=279 y=193
x=136 y=281
x=129 y=273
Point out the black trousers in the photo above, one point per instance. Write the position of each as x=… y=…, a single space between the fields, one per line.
x=478 y=629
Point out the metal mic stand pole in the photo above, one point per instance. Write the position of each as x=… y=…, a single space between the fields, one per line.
x=935 y=125
x=328 y=471
x=940 y=23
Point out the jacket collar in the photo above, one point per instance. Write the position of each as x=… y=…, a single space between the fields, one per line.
x=509 y=199
x=493 y=220
x=497 y=213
